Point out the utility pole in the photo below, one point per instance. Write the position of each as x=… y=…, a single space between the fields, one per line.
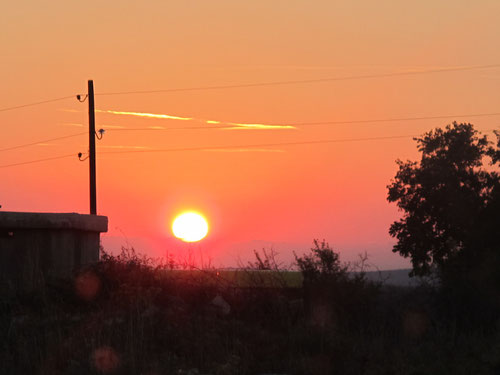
x=92 y=135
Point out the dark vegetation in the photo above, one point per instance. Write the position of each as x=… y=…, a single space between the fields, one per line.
x=451 y=216
x=126 y=315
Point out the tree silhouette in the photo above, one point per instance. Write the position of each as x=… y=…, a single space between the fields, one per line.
x=450 y=200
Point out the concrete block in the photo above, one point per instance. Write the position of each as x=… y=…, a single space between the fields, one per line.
x=39 y=247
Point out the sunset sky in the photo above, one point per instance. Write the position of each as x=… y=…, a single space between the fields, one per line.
x=254 y=190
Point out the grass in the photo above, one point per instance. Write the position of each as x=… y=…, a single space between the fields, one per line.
x=240 y=278
x=127 y=316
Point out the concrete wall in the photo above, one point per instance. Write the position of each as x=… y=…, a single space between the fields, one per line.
x=39 y=247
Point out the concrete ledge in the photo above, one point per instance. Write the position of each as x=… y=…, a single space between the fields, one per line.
x=42 y=220
x=39 y=248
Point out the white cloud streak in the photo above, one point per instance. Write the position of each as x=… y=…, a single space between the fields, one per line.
x=244 y=150
x=230 y=125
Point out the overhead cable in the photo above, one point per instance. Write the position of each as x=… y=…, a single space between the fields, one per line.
x=260 y=145
x=214 y=148
x=36 y=103
x=227 y=125
x=272 y=83
x=297 y=143
x=318 y=80
x=37 y=160
x=42 y=141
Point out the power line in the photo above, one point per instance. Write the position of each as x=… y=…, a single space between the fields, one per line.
x=396 y=119
x=318 y=80
x=232 y=125
x=297 y=143
x=36 y=103
x=42 y=141
x=215 y=148
x=37 y=161
x=208 y=148
x=272 y=83
x=294 y=124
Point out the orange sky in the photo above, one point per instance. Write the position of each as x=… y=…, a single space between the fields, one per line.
x=280 y=195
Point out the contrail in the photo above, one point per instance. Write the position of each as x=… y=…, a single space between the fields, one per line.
x=151 y=115
x=257 y=126
x=242 y=150
x=230 y=125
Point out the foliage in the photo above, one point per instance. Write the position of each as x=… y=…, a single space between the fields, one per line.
x=265 y=261
x=450 y=201
x=139 y=321
x=322 y=263
x=266 y=271
x=336 y=295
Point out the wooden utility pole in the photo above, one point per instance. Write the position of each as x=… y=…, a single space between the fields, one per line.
x=92 y=135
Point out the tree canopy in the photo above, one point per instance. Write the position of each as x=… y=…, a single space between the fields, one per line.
x=450 y=200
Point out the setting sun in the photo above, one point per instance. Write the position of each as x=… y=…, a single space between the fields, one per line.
x=190 y=227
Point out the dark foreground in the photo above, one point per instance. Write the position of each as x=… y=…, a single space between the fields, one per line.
x=123 y=316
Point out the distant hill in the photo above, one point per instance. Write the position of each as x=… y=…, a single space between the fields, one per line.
x=245 y=278
x=394 y=277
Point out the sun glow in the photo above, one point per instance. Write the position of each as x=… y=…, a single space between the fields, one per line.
x=190 y=226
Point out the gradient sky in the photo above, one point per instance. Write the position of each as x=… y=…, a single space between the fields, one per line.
x=281 y=196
